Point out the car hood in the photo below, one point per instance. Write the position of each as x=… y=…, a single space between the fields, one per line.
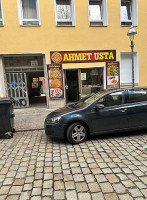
x=65 y=110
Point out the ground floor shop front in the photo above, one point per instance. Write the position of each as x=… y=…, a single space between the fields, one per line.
x=25 y=78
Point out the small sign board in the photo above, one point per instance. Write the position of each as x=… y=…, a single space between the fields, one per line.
x=112 y=75
x=83 y=76
x=55 y=80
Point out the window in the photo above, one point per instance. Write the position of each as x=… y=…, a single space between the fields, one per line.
x=1 y=14
x=126 y=68
x=98 y=12
x=129 y=12
x=92 y=80
x=29 y=12
x=65 y=13
x=137 y=95
x=113 y=99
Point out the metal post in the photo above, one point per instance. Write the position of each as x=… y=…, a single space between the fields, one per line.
x=132 y=48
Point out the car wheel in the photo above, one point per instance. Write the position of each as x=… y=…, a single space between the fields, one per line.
x=76 y=133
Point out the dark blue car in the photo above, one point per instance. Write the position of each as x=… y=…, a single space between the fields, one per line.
x=98 y=113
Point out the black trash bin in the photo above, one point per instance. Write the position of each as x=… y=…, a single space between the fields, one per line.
x=7 y=117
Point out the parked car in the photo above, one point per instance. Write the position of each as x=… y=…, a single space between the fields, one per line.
x=98 y=113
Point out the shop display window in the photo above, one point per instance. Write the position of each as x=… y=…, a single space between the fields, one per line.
x=92 y=80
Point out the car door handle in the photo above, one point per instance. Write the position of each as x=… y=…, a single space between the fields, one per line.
x=123 y=110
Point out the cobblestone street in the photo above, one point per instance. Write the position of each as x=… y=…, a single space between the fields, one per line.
x=36 y=168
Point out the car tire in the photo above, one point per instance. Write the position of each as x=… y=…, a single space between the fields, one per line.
x=76 y=133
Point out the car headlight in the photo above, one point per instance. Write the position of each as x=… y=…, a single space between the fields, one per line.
x=53 y=120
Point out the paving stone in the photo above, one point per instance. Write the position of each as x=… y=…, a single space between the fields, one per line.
x=69 y=185
x=16 y=190
x=125 y=197
x=144 y=192
x=100 y=178
x=78 y=177
x=89 y=178
x=128 y=183
x=98 y=196
x=36 y=191
x=110 y=196
x=81 y=187
x=47 y=192
x=85 y=196
x=59 y=195
x=71 y=195
x=19 y=182
x=38 y=183
x=93 y=187
x=4 y=190
x=58 y=185
x=25 y=195
x=27 y=187
x=135 y=192
x=13 y=197
x=112 y=178
x=106 y=187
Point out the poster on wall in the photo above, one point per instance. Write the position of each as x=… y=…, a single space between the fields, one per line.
x=112 y=75
x=55 y=80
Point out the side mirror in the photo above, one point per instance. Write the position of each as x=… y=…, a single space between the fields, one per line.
x=99 y=106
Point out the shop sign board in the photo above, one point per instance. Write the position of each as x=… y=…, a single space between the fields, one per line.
x=82 y=56
x=55 y=80
x=112 y=75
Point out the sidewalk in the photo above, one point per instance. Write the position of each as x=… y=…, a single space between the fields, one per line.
x=31 y=118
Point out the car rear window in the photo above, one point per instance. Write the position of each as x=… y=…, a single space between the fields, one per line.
x=137 y=95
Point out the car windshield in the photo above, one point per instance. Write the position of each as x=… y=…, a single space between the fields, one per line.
x=88 y=99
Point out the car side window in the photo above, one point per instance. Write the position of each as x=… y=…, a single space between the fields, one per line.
x=113 y=99
x=137 y=95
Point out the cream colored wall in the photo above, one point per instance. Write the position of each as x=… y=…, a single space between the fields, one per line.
x=48 y=37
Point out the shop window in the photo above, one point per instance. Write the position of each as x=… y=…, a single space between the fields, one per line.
x=92 y=80
x=65 y=13
x=1 y=14
x=98 y=12
x=29 y=12
x=129 y=12
x=126 y=68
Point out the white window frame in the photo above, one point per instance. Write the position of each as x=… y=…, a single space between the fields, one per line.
x=20 y=14
x=134 y=14
x=136 y=68
x=65 y=20
x=1 y=19
x=104 y=19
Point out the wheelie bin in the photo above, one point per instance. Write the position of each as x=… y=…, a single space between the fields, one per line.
x=6 y=117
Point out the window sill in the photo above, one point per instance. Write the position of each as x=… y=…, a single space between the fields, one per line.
x=98 y=25
x=30 y=25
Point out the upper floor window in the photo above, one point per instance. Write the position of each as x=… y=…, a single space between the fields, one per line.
x=98 y=12
x=29 y=12
x=129 y=12
x=65 y=13
x=1 y=14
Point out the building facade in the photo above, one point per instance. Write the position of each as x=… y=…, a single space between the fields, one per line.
x=31 y=29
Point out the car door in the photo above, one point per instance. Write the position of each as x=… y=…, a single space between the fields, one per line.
x=114 y=114
x=137 y=107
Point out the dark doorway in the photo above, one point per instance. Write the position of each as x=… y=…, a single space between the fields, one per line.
x=72 y=86
x=36 y=87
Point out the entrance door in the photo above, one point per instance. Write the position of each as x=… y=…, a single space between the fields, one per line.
x=72 y=86
x=17 y=88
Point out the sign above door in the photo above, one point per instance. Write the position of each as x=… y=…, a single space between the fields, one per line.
x=82 y=56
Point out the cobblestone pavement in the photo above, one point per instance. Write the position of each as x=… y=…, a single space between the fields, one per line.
x=36 y=168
